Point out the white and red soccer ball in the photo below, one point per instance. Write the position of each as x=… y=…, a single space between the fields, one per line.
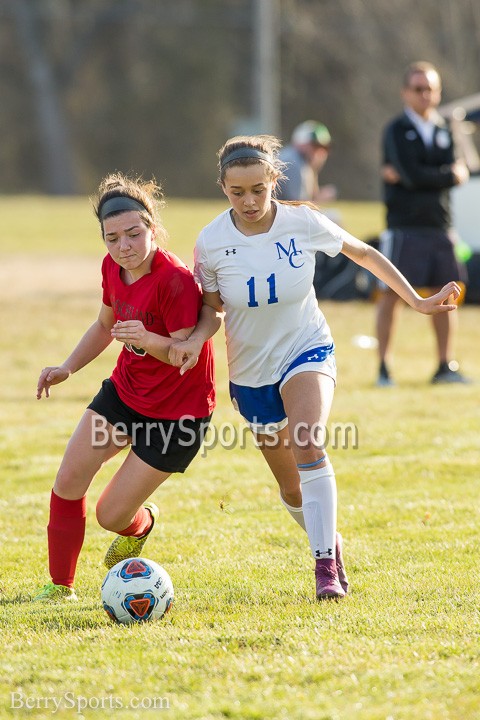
x=136 y=590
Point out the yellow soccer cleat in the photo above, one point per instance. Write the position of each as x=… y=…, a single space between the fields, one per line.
x=126 y=547
x=55 y=593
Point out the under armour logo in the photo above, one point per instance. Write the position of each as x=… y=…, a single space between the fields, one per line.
x=233 y=251
x=318 y=553
x=313 y=357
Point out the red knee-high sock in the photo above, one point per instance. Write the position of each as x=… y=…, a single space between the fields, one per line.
x=66 y=531
x=140 y=525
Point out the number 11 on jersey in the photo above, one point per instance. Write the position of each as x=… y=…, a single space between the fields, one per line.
x=252 y=302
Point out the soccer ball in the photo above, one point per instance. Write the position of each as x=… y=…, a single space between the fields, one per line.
x=136 y=590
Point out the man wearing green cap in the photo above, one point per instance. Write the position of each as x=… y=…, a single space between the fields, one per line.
x=305 y=157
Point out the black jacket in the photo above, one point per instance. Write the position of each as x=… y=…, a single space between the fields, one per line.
x=421 y=198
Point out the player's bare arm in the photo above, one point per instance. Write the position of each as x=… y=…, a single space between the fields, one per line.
x=185 y=354
x=92 y=344
x=135 y=334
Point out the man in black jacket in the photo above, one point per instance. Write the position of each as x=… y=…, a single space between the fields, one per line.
x=419 y=170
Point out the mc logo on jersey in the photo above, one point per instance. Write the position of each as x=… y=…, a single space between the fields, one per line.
x=291 y=253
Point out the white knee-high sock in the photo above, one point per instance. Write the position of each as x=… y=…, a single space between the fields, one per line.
x=319 y=492
x=295 y=512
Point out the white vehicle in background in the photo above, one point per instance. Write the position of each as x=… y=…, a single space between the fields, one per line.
x=466 y=211
x=464 y=116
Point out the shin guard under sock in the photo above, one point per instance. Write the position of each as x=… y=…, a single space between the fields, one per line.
x=66 y=532
x=319 y=493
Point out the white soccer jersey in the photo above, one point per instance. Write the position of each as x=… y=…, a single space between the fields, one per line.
x=266 y=284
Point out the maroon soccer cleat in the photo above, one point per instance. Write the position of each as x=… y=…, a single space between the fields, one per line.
x=327 y=582
x=342 y=575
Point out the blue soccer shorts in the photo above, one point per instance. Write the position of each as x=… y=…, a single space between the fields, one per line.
x=262 y=407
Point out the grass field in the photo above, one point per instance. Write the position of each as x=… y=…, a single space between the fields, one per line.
x=246 y=638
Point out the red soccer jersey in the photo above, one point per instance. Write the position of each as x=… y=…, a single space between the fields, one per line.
x=165 y=300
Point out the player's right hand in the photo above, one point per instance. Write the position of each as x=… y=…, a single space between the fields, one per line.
x=51 y=376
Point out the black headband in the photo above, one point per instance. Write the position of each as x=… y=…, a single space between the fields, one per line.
x=120 y=203
x=244 y=153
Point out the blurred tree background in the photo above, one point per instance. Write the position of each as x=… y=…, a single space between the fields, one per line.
x=156 y=86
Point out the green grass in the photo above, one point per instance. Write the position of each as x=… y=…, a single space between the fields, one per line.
x=245 y=639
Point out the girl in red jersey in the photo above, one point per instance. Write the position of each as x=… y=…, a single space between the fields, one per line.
x=150 y=299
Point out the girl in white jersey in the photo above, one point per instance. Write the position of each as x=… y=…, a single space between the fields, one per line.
x=256 y=262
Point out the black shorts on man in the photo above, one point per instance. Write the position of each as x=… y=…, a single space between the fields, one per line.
x=426 y=256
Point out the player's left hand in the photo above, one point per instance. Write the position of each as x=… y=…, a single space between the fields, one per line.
x=443 y=301
x=130 y=332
